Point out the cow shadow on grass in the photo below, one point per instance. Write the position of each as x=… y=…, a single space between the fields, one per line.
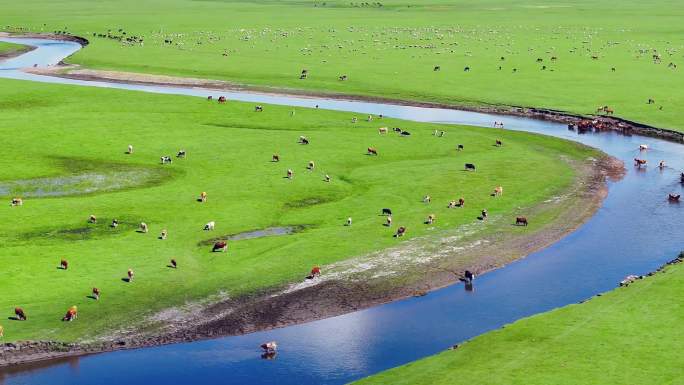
x=126 y=279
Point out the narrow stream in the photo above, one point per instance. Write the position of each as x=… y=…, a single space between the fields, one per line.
x=635 y=231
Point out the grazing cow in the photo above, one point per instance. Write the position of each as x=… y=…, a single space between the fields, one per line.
x=115 y=223
x=203 y=197
x=17 y=202
x=303 y=140
x=143 y=227
x=483 y=214
x=349 y=221
x=400 y=232
x=163 y=234
x=210 y=98
x=386 y=212
x=388 y=221
x=221 y=246
x=461 y=202
x=130 y=275
x=498 y=191
x=20 y=314
x=650 y=101
x=426 y=199
x=673 y=197
x=130 y=149
x=181 y=154
x=210 y=226
x=441 y=134
x=643 y=147
x=372 y=151
x=290 y=173
x=269 y=347
x=369 y=118
x=459 y=147
x=452 y=204
x=166 y=159
x=661 y=164
x=354 y=119
x=174 y=264
x=469 y=276
x=311 y=165
x=382 y=130
x=315 y=272
x=499 y=143
x=430 y=219
x=92 y=219
x=275 y=158
x=521 y=221
x=258 y=108
x=221 y=99
x=343 y=77
x=469 y=167
x=466 y=69
x=539 y=60
x=96 y=293
x=71 y=314
x=437 y=68
x=327 y=178
x=303 y=76
x=63 y=264
x=640 y=162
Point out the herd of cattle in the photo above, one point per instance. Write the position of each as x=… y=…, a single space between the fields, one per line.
x=222 y=245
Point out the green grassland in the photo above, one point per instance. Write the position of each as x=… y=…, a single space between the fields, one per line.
x=9 y=48
x=64 y=153
x=390 y=50
x=628 y=336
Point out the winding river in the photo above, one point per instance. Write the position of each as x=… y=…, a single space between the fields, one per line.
x=635 y=231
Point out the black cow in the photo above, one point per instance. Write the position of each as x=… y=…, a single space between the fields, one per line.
x=386 y=212
x=469 y=167
x=459 y=148
x=469 y=276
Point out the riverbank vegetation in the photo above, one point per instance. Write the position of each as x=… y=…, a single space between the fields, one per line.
x=574 y=57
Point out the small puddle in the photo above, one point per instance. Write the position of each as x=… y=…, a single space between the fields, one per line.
x=267 y=232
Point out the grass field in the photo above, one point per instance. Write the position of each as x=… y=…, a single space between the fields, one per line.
x=8 y=48
x=627 y=336
x=64 y=154
x=391 y=50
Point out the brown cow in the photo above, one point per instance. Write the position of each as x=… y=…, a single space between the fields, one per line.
x=499 y=143
x=92 y=219
x=400 y=232
x=222 y=99
x=221 y=246
x=130 y=275
x=315 y=272
x=96 y=293
x=372 y=151
x=71 y=314
x=673 y=197
x=63 y=264
x=521 y=221
x=20 y=314
x=203 y=196
x=640 y=162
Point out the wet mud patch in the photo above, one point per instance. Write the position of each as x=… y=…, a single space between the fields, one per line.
x=79 y=232
x=260 y=233
x=86 y=177
x=307 y=202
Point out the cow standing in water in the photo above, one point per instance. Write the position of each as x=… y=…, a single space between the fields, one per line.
x=469 y=276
